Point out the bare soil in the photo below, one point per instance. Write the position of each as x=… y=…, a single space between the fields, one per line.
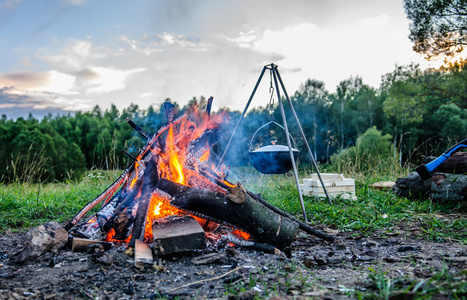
x=313 y=269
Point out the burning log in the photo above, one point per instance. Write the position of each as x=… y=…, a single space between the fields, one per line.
x=244 y=212
x=149 y=179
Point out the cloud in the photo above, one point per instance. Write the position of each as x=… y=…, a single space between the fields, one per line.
x=10 y=4
x=102 y=80
x=15 y=105
x=38 y=82
x=74 y=2
x=74 y=57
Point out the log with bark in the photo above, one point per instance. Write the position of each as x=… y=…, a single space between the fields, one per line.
x=455 y=164
x=237 y=209
x=444 y=188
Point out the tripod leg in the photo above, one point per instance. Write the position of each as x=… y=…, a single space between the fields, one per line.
x=241 y=117
x=287 y=135
x=303 y=134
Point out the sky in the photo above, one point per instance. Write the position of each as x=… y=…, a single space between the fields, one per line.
x=61 y=56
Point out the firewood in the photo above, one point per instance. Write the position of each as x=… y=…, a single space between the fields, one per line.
x=382 y=185
x=251 y=216
x=301 y=225
x=79 y=244
x=178 y=235
x=149 y=180
x=143 y=254
x=444 y=188
x=455 y=164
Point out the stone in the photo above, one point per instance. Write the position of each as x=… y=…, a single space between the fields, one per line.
x=48 y=237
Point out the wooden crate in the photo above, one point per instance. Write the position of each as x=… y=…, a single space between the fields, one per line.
x=335 y=184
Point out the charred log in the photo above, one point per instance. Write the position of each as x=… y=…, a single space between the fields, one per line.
x=149 y=180
x=138 y=129
x=250 y=215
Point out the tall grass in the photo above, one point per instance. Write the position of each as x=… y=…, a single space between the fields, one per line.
x=368 y=165
x=32 y=166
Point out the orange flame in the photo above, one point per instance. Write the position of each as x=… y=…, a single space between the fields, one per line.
x=241 y=234
x=175 y=162
x=136 y=175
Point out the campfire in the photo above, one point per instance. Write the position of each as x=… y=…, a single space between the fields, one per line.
x=173 y=188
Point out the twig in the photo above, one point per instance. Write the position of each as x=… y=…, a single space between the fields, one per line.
x=204 y=280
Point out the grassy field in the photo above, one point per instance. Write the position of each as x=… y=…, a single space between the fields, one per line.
x=25 y=205
x=380 y=213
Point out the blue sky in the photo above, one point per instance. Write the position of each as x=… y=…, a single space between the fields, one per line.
x=61 y=56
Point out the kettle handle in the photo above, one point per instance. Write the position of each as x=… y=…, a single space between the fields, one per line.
x=253 y=137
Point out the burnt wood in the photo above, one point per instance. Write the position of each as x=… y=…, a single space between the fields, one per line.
x=250 y=215
x=80 y=244
x=149 y=180
x=178 y=235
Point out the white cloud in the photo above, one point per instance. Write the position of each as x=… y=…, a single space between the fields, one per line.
x=145 y=95
x=74 y=57
x=44 y=82
x=107 y=79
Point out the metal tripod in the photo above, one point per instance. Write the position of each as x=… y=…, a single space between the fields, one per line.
x=277 y=80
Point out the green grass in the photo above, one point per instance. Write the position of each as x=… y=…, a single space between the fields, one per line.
x=444 y=284
x=380 y=213
x=373 y=211
x=25 y=205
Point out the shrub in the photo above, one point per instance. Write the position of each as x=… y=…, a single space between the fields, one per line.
x=372 y=153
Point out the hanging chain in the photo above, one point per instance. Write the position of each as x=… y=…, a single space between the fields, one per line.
x=271 y=100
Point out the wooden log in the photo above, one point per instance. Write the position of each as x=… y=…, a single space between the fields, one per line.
x=149 y=179
x=445 y=187
x=248 y=214
x=80 y=244
x=301 y=225
x=143 y=254
x=382 y=185
x=178 y=235
x=456 y=164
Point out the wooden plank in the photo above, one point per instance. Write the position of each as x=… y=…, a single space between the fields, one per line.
x=335 y=189
x=382 y=185
x=177 y=236
x=80 y=244
x=327 y=176
x=340 y=182
x=143 y=254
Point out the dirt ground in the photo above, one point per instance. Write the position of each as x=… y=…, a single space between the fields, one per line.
x=313 y=269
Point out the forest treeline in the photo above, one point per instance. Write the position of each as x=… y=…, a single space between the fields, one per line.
x=419 y=111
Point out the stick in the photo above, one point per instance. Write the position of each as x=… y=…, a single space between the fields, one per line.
x=204 y=280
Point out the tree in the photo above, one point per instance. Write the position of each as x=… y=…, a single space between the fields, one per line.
x=438 y=27
x=345 y=93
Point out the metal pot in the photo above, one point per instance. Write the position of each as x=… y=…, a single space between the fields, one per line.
x=272 y=159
